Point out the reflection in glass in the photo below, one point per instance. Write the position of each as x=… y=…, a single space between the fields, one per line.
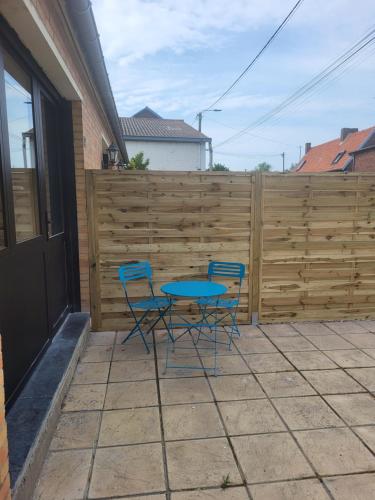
x=22 y=149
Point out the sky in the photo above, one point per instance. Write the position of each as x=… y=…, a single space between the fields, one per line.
x=177 y=57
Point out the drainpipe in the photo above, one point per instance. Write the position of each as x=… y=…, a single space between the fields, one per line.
x=210 y=154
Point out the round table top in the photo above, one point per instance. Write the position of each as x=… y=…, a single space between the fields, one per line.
x=193 y=288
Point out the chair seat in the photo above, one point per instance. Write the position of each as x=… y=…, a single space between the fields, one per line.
x=151 y=303
x=224 y=303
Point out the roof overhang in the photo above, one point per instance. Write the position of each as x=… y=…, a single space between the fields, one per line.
x=166 y=139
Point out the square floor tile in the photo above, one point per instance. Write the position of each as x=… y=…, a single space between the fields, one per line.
x=250 y=345
x=310 y=360
x=370 y=352
x=268 y=363
x=306 y=412
x=91 y=373
x=312 y=329
x=250 y=417
x=346 y=327
x=122 y=371
x=367 y=434
x=250 y=331
x=332 y=381
x=367 y=324
x=200 y=463
x=355 y=409
x=185 y=367
x=132 y=426
x=64 y=475
x=329 y=342
x=101 y=338
x=84 y=397
x=365 y=376
x=232 y=365
x=352 y=358
x=361 y=340
x=185 y=390
x=293 y=344
x=191 y=421
x=132 y=350
x=285 y=384
x=97 y=353
x=309 y=489
x=234 y=387
x=335 y=451
x=279 y=330
x=270 y=457
x=131 y=395
x=76 y=430
x=142 y=497
x=357 y=487
x=236 y=493
x=127 y=470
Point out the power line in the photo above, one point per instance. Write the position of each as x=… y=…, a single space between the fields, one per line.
x=340 y=62
x=254 y=60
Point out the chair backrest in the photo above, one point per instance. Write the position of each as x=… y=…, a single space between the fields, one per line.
x=135 y=271
x=226 y=270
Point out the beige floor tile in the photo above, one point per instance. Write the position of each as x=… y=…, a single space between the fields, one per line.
x=365 y=376
x=91 y=373
x=250 y=417
x=332 y=382
x=268 y=363
x=293 y=344
x=346 y=327
x=84 y=397
x=370 y=352
x=335 y=451
x=131 y=351
x=279 y=330
x=191 y=421
x=122 y=371
x=236 y=493
x=308 y=489
x=307 y=412
x=101 y=338
x=285 y=384
x=312 y=329
x=76 y=430
x=127 y=470
x=356 y=487
x=235 y=387
x=97 y=353
x=131 y=395
x=270 y=457
x=310 y=360
x=185 y=390
x=367 y=433
x=329 y=342
x=352 y=358
x=64 y=475
x=132 y=426
x=178 y=367
x=147 y=497
x=251 y=345
x=368 y=324
x=361 y=340
x=232 y=365
x=355 y=409
x=222 y=349
x=200 y=463
x=251 y=331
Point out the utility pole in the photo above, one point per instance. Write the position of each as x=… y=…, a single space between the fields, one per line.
x=300 y=152
x=200 y=121
x=210 y=155
x=283 y=157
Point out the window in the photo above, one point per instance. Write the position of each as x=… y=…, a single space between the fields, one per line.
x=338 y=157
x=19 y=105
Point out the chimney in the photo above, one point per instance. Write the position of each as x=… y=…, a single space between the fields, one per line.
x=307 y=147
x=346 y=131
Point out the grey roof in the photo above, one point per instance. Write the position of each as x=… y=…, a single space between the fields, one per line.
x=160 y=129
x=146 y=112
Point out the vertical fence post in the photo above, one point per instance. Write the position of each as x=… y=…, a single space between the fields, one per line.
x=257 y=233
x=94 y=260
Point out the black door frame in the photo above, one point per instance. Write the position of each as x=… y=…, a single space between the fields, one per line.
x=40 y=83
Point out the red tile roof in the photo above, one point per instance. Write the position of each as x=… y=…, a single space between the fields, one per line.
x=320 y=158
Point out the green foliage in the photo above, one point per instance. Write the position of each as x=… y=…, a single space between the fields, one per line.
x=263 y=167
x=137 y=162
x=219 y=167
x=226 y=482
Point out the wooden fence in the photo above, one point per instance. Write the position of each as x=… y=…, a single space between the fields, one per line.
x=308 y=241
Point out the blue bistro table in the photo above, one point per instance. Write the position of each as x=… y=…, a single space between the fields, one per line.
x=193 y=290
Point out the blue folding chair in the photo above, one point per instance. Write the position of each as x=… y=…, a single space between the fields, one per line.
x=234 y=270
x=142 y=271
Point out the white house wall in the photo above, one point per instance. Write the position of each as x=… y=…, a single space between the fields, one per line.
x=170 y=155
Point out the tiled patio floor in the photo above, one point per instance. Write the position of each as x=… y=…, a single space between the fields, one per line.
x=291 y=416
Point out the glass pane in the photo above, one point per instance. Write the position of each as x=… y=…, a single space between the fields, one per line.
x=51 y=167
x=22 y=149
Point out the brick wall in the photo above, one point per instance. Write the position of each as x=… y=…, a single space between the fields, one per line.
x=365 y=161
x=4 y=465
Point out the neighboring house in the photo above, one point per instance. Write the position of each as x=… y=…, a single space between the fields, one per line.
x=169 y=144
x=364 y=159
x=336 y=155
x=57 y=118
